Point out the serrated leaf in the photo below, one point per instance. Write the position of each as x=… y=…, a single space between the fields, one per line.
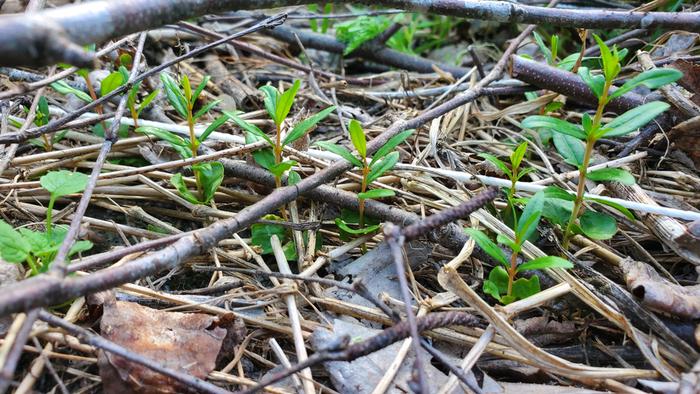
x=612 y=174
x=376 y=193
x=652 y=79
x=178 y=143
x=357 y=136
x=635 y=118
x=570 y=148
x=13 y=247
x=523 y=288
x=179 y=183
x=285 y=102
x=249 y=127
x=111 y=82
x=558 y=125
x=382 y=166
x=305 y=125
x=390 y=145
x=545 y=262
x=487 y=245
x=62 y=183
x=598 y=225
x=210 y=177
x=530 y=218
x=340 y=151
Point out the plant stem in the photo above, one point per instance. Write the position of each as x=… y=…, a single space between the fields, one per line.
x=32 y=265
x=278 y=159
x=93 y=95
x=48 y=146
x=134 y=116
x=49 y=214
x=512 y=271
x=583 y=169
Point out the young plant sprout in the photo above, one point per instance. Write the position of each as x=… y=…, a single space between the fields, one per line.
x=278 y=105
x=501 y=283
x=371 y=169
x=208 y=176
x=38 y=249
x=594 y=224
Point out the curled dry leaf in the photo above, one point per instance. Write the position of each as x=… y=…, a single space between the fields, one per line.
x=659 y=294
x=186 y=342
x=542 y=331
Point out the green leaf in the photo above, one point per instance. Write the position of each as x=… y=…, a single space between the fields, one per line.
x=147 y=101
x=390 y=145
x=187 y=89
x=543 y=48
x=80 y=246
x=598 y=225
x=42 y=112
x=558 y=193
x=285 y=102
x=111 y=82
x=99 y=130
x=376 y=193
x=503 y=240
x=264 y=157
x=179 y=183
x=179 y=144
x=212 y=127
x=558 y=125
x=498 y=163
x=557 y=211
x=382 y=166
x=270 y=101
x=652 y=79
x=210 y=177
x=499 y=278
x=305 y=125
x=517 y=157
x=357 y=136
x=206 y=109
x=596 y=83
x=13 y=247
x=279 y=169
x=545 y=262
x=612 y=174
x=249 y=127
x=568 y=62
x=487 y=245
x=634 y=119
x=174 y=94
x=133 y=92
x=360 y=231
x=293 y=178
x=340 y=151
x=200 y=88
x=261 y=233
x=491 y=289
x=357 y=31
x=610 y=59
x=570 y=148
x=523 y=288
x=63 y=88
x=612 y=204
x=530 y=217
x=62 y=183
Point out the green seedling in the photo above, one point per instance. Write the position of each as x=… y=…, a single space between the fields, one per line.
x=136 y=106
x=278 y=104
x=598 y=225
x=325 y=22
x=514 y=174
x=208 y=176
x=38 y=249
x=371 y=169
x=42 y=118
x=501 y=283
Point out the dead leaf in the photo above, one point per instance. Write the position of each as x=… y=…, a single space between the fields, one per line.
x=542 y=331
x=658 y=293
x=187 y=342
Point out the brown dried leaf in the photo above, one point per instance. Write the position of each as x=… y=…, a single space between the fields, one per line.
x=542 y=331
x=658 y=293
x=187 y=342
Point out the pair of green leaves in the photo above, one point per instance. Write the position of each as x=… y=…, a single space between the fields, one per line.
x=34 y=247
x=279 y=104
x=513 y=173
x=210 y=175
x=183 y=99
